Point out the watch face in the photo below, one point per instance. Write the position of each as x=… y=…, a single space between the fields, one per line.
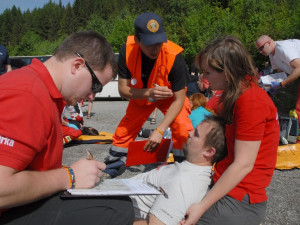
x=133 y=81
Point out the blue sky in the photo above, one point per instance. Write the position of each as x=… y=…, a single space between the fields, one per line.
x=27 y=4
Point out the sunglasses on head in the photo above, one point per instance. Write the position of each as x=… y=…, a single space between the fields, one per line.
x=96 y=84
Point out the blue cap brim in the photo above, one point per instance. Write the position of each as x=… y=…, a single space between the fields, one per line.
x=151 y=39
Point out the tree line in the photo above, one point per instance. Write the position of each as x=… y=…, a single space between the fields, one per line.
x=189 y=23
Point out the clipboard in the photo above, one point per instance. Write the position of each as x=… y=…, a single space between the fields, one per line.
x=115 y=187
x=137 y=156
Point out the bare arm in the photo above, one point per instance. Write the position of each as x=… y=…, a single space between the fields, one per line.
x=22 y=187
x=152 y=220
x=173 y=111
x=8 y=68
x=295 y=74
x=156 y=93
x=245 y=156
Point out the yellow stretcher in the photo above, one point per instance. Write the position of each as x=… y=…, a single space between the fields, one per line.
x=288 y=156
x=102 y=138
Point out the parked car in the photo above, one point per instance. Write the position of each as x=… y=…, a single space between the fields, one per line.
x=110 y=90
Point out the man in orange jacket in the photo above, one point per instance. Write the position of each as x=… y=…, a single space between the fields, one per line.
x=152 y=73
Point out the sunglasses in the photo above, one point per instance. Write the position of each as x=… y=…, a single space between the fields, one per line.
x=262 y=47
x=96 y=84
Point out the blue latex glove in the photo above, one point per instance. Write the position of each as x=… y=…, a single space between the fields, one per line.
x=275 y=85
x=73 y=126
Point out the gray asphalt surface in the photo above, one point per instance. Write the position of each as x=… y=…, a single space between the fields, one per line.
x=284 y=191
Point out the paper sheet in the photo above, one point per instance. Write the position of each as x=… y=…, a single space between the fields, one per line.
x=117 y=187
x=266 y=80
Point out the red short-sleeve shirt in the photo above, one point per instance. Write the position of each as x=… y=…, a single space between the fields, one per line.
x=31 y=105
x=254 y=118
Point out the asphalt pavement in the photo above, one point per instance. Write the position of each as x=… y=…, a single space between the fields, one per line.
x=284 y=191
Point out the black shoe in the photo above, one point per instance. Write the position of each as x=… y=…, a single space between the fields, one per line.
x=115 y=169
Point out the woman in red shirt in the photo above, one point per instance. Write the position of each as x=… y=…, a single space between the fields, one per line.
x=238 y=195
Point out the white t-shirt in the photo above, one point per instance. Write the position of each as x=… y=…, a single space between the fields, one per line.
x=285 y=52
x=185 y=183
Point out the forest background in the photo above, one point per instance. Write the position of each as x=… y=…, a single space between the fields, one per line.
x=189 y=23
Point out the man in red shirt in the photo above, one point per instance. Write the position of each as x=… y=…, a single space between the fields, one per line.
x=31 y=171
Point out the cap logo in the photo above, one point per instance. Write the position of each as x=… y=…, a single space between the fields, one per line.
x=153 y=26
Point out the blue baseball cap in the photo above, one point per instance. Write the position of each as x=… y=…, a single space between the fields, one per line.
x=149 y=29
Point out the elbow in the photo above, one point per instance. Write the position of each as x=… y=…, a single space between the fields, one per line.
x=244 y=169
x=247 y=169
x=123 y=93
x=4 y=202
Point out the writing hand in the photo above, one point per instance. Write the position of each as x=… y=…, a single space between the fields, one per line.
x=87 y=172
x=159 y=93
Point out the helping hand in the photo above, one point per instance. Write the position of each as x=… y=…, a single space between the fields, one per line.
x=153 y=141
x=275 y=85
x=192 y=215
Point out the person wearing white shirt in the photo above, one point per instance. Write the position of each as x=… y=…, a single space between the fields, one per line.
x=185 y=183
x=284 y=56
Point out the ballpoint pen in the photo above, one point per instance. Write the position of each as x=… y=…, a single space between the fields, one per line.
x=90 y=156
x=160 y=189
x=151 y=99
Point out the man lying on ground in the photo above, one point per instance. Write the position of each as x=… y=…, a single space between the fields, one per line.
x=185 y=183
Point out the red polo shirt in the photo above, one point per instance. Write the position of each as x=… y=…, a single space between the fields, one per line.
x=254 y=118
x=30 y=133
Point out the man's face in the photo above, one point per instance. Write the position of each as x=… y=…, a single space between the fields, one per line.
x=195 y=143
x=263 y=46
x=80 y=87
x=151 y=51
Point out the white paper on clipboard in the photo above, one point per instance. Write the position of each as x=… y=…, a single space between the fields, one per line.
x=117 y=187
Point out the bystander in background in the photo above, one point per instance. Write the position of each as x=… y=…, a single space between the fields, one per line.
x=4 y=60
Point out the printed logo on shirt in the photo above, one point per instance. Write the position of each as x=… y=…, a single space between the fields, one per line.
x=6 y=141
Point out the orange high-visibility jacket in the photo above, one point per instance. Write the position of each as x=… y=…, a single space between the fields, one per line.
x=160 y=71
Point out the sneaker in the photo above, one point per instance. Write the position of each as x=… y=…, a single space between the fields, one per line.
x=115 y=168
x=114 y=172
